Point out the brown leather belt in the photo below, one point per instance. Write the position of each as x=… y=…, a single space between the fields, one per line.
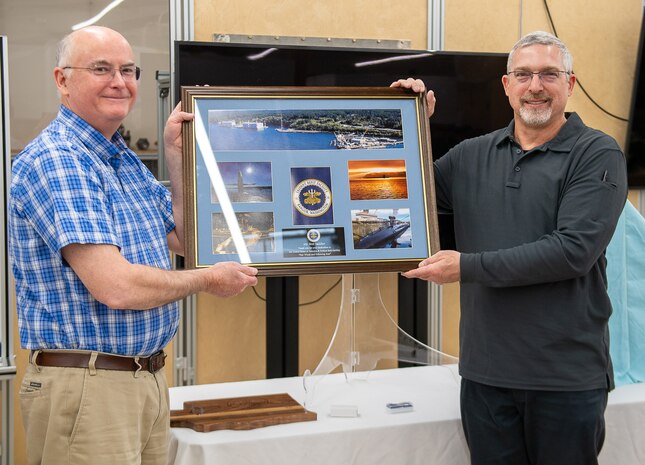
x=103 y=361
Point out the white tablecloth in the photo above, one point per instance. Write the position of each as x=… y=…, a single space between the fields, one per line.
x=430 y=434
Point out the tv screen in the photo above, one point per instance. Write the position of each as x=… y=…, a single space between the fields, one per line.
x=635 y=146
x=468 y=88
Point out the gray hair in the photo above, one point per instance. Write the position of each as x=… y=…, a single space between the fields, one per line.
x=542 y=38
x=64 y=50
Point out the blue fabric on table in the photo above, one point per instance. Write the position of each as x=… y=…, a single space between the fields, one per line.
x=626 y=281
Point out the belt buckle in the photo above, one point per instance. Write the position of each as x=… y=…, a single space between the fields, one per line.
x=156 y=361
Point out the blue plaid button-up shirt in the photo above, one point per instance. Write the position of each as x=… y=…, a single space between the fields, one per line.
x=73 y=186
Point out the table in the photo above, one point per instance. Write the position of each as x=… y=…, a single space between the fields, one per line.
x=430 y=434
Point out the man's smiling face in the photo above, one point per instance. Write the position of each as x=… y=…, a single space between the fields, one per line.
x=536 y=102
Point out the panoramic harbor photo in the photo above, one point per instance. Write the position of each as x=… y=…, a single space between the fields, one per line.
x=377 y=179
x=305 y=129
x=381 y=228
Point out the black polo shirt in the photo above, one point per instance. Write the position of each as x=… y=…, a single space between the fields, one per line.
x=532 y=228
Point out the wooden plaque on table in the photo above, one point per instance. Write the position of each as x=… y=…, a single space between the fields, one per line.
x=240 y=413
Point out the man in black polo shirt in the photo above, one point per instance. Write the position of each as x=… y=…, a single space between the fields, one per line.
x=535 y=205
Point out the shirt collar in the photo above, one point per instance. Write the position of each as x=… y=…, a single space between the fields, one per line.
x=92 y=139
x=562 y=142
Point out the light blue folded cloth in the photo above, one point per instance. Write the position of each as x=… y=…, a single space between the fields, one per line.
x=626 y=281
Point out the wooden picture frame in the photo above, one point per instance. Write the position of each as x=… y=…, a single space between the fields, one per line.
x=305 y=180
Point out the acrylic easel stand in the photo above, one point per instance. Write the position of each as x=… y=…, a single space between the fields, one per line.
x=366 y=336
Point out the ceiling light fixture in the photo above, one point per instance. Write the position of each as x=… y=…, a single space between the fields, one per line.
x=94 y=19
x=413 y=56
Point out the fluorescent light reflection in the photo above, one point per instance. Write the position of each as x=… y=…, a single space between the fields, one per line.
x=389 y=59
x=259 y=56
x=94 y=19
x=218 y=184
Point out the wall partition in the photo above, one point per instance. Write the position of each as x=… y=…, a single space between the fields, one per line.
x=7 y=367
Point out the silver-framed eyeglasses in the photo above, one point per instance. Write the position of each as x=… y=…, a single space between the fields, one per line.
x=107 y=72
x=549 y=76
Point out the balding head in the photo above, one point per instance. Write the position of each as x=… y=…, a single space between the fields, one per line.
x=67 y=47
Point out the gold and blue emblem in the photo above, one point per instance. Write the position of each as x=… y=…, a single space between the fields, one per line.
x=313 y=235
x=311 y=196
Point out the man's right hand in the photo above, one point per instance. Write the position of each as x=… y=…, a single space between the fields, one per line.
x=226 y=279
x=417 y=85
x=140 y=287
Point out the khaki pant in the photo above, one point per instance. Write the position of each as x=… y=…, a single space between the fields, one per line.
x=78 y=416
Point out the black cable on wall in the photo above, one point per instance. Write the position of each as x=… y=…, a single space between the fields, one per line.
x=555 y=33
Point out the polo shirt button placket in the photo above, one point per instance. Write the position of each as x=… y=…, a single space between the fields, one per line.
x=514 y=180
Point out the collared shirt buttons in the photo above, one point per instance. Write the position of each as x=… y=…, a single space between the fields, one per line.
x=517 y=168
x=518 y=151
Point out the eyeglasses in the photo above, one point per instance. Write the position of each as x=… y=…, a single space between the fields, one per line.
x=107 y=72
x=548 y=77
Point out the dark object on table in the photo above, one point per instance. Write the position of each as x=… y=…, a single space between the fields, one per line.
x=143 y=144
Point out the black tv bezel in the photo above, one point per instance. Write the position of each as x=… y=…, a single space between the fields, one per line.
x=183 y=43
x=495 y=118
x=636 y=180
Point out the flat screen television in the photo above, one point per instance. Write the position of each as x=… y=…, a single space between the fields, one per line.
x=635 y=146
x=470 y=97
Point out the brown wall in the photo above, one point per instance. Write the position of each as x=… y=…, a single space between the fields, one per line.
x=231 y=338
x=365 y=19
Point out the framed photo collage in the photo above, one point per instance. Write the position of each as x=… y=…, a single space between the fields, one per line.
x=304 y=180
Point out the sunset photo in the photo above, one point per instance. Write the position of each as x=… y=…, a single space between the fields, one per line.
x=377 y=179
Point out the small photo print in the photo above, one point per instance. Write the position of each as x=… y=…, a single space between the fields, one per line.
x=386 y=228
x=245 y=181
x=257 y=232
x=377 y=179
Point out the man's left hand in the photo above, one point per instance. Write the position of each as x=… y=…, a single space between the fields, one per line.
x=441 y=268
x=172 y=131
x=418 y=86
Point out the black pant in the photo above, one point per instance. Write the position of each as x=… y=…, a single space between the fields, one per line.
x=527 y=427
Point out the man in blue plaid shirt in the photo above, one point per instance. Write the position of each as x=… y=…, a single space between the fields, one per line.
x=90 y=234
